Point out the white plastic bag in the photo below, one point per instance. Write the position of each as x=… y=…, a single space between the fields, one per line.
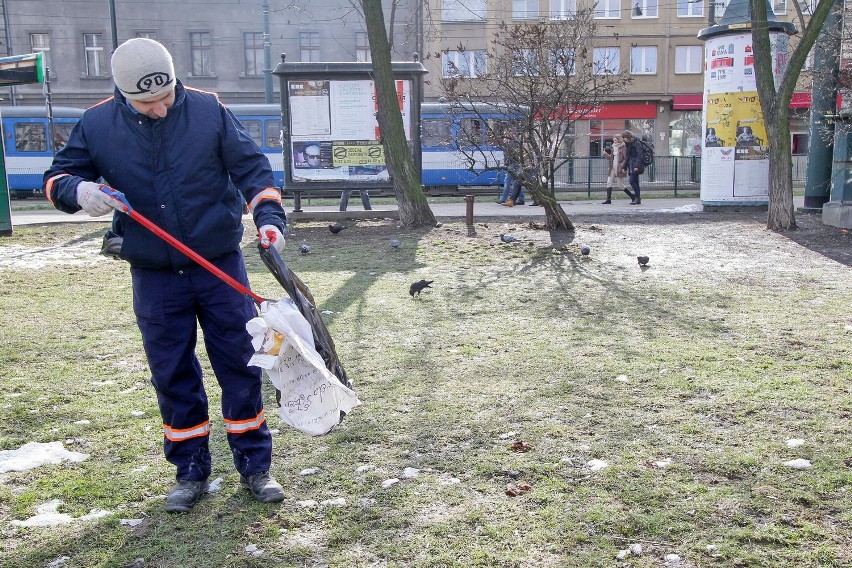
x=311 y=396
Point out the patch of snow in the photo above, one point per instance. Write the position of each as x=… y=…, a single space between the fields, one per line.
x=309 y=471
x=130 y=522
x=364 y=468
x=35 y=454
x=215 y=485
x=389 y=482
x=58 y=562
x=339 y=502
x=622 y=379
x=410 y=472
x=84 y=421
x=794 y=442
x=597 y=465
x=47 y=515
x=508 y=435
x=799 y=464
x=307 y=503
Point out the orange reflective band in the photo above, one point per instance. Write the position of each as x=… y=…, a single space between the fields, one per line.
x=181 y=434
x=48 y=187
x=268 y=193
x=240 y=426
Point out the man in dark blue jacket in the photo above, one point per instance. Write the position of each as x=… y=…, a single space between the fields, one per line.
x=183 y=160
x=633 y=165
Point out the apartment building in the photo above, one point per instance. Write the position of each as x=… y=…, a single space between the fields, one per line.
x=217 y=46
x=656 y=42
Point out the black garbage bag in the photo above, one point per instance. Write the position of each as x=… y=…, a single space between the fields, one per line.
x=304 y=300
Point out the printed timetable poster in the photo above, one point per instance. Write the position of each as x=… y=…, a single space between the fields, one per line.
x=334 y=131
x=735 y=152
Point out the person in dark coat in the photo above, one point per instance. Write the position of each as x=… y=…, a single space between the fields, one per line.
x=184 y=161
x=633 y=165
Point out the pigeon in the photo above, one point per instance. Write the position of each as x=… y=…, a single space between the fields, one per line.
x=418 y=287
x=304 y=249
x=585 y=250
x=507 y=238
x=643 y=260
x=336 y=228
x=394 y=243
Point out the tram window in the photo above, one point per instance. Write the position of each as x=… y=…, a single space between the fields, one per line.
x=273 y=133
x=253 y=128
x=497 y=131
x=61 y=133
x=436 y=132
x=470 y=133
x=30 y=137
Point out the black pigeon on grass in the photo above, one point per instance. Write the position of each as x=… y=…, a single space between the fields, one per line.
x=336 y=228
x=418 y=287
x=643 y=260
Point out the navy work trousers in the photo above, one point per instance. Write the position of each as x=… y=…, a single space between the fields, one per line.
x=169 y=304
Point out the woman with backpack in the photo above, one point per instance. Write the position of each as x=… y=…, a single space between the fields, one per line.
x=633 y=165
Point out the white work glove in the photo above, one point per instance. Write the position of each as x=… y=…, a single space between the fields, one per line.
x=270 y=235
x=94 y=201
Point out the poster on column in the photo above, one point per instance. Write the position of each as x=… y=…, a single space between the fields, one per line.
x=334 y=130
x=735 y=153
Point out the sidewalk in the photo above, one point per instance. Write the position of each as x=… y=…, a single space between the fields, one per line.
x=483 y=207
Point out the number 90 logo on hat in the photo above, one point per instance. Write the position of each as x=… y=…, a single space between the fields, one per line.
x=152 y=83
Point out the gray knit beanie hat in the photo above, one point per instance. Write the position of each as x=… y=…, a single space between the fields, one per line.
x=142 y=68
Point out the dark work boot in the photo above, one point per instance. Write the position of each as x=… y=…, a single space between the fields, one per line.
x=630 y=195
x=263 y=488
x=185 y=494
x=637 y=200
x=608 y=199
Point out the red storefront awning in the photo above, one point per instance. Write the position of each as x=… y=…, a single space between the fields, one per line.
x=626 y=110
x=800 y=100
x=688 y=102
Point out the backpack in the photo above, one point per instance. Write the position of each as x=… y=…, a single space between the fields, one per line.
x=647 y=153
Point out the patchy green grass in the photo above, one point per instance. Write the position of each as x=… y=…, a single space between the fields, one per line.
x=687 y=378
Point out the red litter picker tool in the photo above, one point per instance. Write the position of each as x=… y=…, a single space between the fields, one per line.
x=151 y=226
x=292 y=284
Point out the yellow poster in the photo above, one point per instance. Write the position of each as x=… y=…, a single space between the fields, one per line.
x=735 y=120
x=354 y=154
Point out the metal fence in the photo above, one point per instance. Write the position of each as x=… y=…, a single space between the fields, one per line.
x=671 y=173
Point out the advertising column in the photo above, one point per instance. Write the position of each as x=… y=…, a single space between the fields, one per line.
x=735 y=151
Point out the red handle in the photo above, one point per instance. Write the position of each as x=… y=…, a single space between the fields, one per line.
x=142 y=220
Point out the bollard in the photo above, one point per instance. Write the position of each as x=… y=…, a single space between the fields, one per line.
x=468 y=199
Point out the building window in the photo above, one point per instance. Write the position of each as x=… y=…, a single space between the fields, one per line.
x=463 y=63
x=253 y=45
x=686 y=8
x=563 y=9
x=606 y=60
x=525 y=9
x=147 y=35
x=40 y=43
x=689 y=59
x=601 y=133
x=524 y=63
x=362 y=48
x=643 y=60
x=608 y=9
x=309 y=46
x=463 y=10
x=644 y=9
x=94 y=55
x=200 y=54
x=779 y=7
x=562 y=62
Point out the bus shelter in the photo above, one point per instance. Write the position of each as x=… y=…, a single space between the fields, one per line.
x=330 y=135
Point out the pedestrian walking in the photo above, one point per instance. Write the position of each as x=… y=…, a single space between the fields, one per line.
x=632 y=165
x=183 y=160
x=617 y=177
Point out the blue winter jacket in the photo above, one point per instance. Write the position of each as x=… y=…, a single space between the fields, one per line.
x=184 y=172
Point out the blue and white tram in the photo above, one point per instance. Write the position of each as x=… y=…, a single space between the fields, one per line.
x=29 y=146
x=451 y=136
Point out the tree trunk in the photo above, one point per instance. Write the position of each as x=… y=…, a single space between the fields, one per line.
x=781 y=215
x=555 y=217
x=413 y=207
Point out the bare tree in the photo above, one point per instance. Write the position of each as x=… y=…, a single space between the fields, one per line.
x=540 y=75
x=775 y=103
x=413 y=207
